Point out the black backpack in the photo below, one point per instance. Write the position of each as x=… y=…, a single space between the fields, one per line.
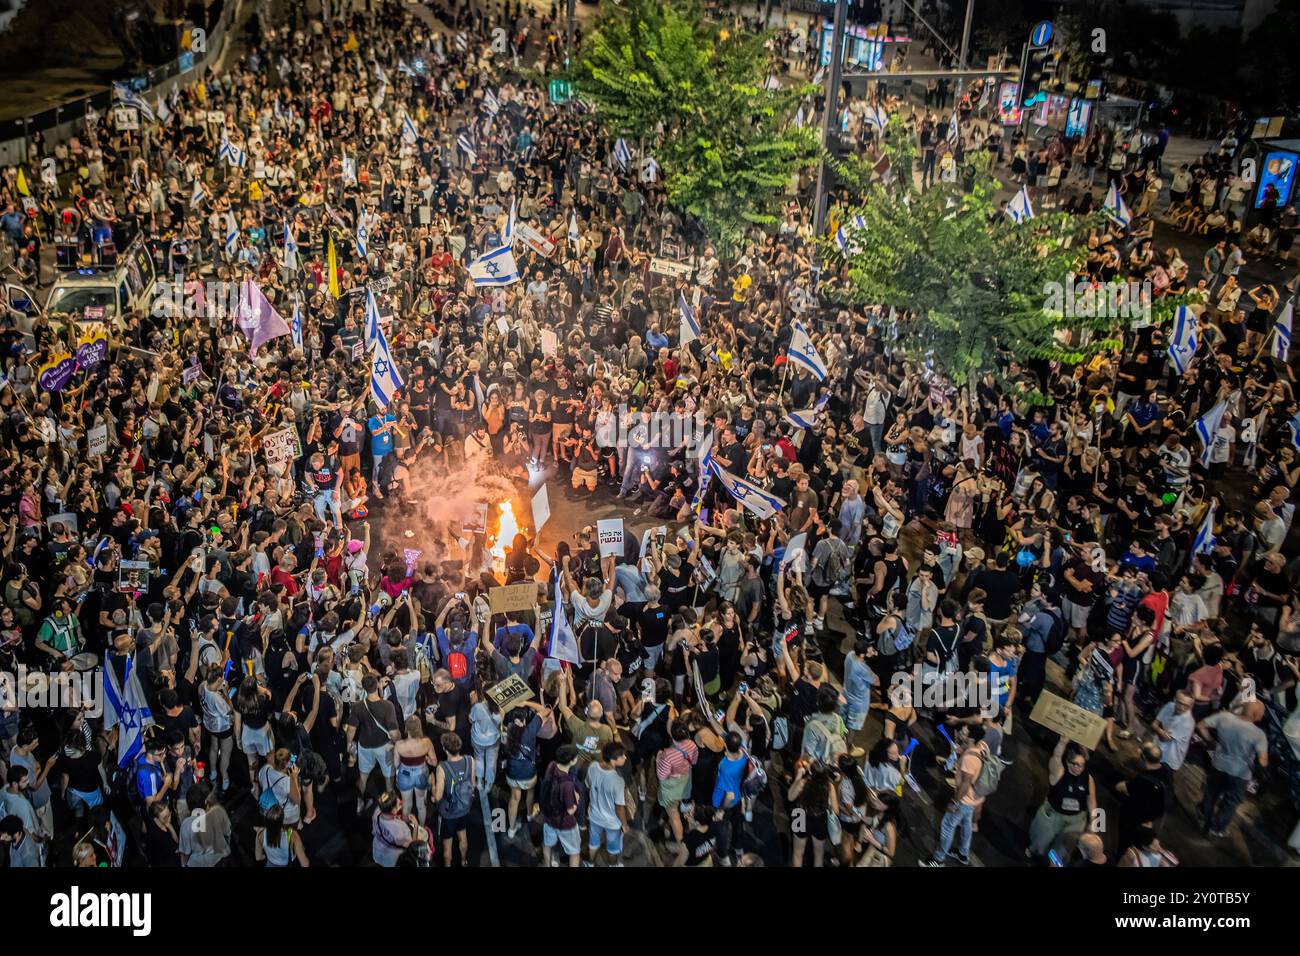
x=1055 y=639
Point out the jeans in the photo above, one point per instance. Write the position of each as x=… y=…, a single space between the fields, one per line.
x=876 y=432
x=632 y=470
x=485 y=764
x=959 y=815
x=1223 y=794
x=328 y=500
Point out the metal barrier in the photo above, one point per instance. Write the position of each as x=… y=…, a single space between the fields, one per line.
x=68 y=119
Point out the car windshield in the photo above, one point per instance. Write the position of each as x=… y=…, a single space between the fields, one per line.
x=77 y=298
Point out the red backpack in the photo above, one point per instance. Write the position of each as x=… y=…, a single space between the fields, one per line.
x=458 y=664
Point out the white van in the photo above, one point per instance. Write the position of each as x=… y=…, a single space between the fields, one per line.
x=108 y=292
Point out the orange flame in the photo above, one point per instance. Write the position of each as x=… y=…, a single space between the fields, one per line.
x=506 y=530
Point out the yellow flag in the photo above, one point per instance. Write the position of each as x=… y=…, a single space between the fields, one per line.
x=201 y=90
x=22 y=183
x=255 y=191
x=352 y=43
x=334 y=271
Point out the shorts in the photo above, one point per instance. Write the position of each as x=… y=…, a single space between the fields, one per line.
x=80 y=798
x=567 y=839
x=256 y=740
x=818 y=591
x=448 y=827
x=585 y=476
x=561 y=431
x=673 y=790
x=412 y=777
x=528 y=784
x=1075 y=614
x=613 y=837
x=367 y=757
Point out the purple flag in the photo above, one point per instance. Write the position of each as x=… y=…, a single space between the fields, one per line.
x=257 y=318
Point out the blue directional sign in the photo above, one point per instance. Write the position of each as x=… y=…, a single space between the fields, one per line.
x=1041 y=35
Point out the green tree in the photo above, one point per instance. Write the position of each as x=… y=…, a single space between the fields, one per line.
x=694 y=95
x=974 y=282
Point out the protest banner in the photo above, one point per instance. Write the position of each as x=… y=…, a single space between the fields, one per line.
x=512 y=597
x=609 y=533
x=510 y=693
x=1068 y=719
x=541 y=509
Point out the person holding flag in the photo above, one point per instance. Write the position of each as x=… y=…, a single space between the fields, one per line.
x=804 y=353
x=1182 y=340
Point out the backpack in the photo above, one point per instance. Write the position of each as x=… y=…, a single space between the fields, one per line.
x=1055 y=639
x=459 y=795
x=755 y=780
x=837 y=568
x=990 y=775
x=457 y=663
x=890 y=642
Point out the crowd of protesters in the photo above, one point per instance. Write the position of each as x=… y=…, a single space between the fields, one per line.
x=315 y=692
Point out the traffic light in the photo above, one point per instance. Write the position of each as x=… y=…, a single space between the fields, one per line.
x=1038 y=73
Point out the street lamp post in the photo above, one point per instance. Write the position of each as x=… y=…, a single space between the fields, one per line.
x=965 y=48
x=828 y=119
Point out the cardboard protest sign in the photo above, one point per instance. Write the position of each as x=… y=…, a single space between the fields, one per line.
x=609 y=533
x=133 y=576
x=476 y=523
x=1068 y=719
x=667 y=267
x=534 y=240
x=513 y=597
x=510 y=693
x=281 y=446
x=97 y=441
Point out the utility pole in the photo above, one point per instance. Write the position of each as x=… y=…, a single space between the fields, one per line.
x=568 y=35
x=965 y=49
x=828 y=120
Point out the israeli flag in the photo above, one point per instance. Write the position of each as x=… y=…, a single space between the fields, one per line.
x=509 y=238
x=295 y=327
x=377 y=100
x=1204 y=542
x=409 y=133
x=384 y=377
x=876 y=116
x=380 y=73
x=622 y=155
x=705 y=452
x=954 y=130
x=495 y=268
x=467 y=147
x=807 y=417
x=803 y=351
x=689 y=328
x=491 y=105
x=162 y=109
x=232 y=234
x=198 y=195
x=372 y=319
x=844 y=236
x=1020 y=208
x=575 y=236
x=752 y=497
x=462 y=42
x=349 y=170
x=799 y=118
x=1115 y=207
x=131 y=98
x=231 y=153
x=819 y=76
x=1282 y=333
x=363 y=234
x=290 y=248
x=1207 y=427
x=1182 y=342
x=563 y=645
x=1294 y=424
x=127 y=710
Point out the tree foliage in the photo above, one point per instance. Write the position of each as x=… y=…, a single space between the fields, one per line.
x=975 y=283
x=693 y=93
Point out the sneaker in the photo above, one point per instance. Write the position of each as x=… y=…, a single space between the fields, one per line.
x=510 y=833
x=587 y=863
x=749 y=816
x=932 y=863
x=819 y=624
x=963 y=860
x=1218 y=834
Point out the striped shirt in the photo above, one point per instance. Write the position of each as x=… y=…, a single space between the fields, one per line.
x=677 y=759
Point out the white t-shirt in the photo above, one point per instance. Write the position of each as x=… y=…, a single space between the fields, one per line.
x=1174 y=752
x=1223 y=440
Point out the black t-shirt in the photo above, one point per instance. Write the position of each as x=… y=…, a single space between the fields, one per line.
x=183 y=721
x=83 y=771
x=455 y=703
x=699 y=845
x=654 y=626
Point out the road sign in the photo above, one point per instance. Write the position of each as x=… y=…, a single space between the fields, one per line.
x=1041 y=35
